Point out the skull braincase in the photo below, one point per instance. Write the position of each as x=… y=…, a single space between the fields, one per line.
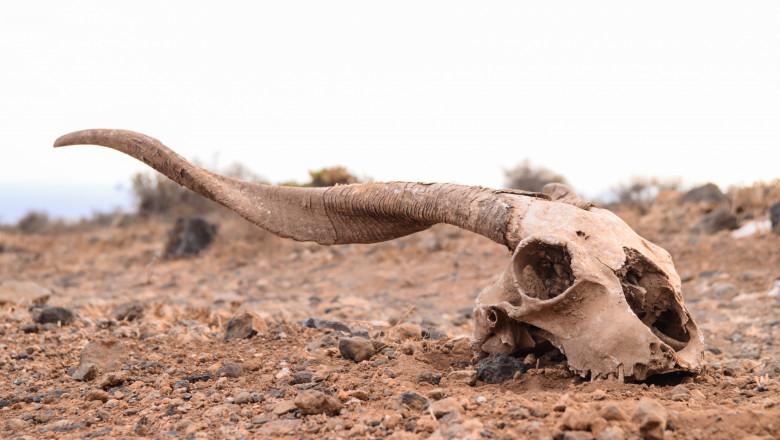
x=608 y=299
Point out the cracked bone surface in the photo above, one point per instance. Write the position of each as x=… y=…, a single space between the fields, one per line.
x=579 y=278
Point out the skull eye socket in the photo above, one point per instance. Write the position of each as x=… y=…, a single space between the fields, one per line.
x=651 y=298
x=542 y=269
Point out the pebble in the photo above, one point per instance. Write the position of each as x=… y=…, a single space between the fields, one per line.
x=229 y=369
x=283 y=373
x=612 y=412
x=356 y=349
x=498 y=368
x=284 y=407
x=96 y=394
x=407 y=348
x=439 y=408
x=317 y=402
x=407 y=331
x=325 y=323
x=302 y=377
x=432 y=334
x=113 y=379
x=651 y=417
x=53 y=315
x=435 y=394
x=412 y=400
x=129 y=311
x=426 y=376
x=680 y=394
x=468 y=377
x=611 y=433
x=16 y=424
x=242 y=398
x=245 y=326
x=105 y=353
x=86 y=372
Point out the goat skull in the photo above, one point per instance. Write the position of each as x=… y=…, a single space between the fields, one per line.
x=579 y=277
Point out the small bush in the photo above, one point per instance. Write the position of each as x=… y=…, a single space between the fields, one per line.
x=639 y=191
x=331 y=177
x=529 y=177
x=37 y=222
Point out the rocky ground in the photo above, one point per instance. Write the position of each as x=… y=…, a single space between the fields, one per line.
x=221 y=345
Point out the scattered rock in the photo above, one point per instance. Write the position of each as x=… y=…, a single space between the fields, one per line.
x=412 y=400
x=651 y=417
x=407 y=331
x=189 y=237
x=105 y=353
x=680 y=394
x=498 y=368
x=428 y=377
x=435 y=394
x=113 y=379
x=129 y=311
x=356 y=349
x=96 y=394
x=325 y=323
x=717 y=220
x=612 y=412
x=53 y=315
x=242 y=398
x=245 y=326
x=30 y=328
x=439 y=408
x=432 y=334
x=284 y=407
x=317 y=402
x=23 y=292
x=468 y=377
x=302 y=377
x=86 y=372
x=229 y=369
x=611 y=433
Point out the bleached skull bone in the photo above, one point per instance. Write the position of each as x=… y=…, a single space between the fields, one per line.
x=579 y=277
x=608 y=299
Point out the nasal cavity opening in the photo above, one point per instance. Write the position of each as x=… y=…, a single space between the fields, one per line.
x=543 y=270
x=651 y=298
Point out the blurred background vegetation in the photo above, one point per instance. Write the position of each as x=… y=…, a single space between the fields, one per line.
x=156 y=195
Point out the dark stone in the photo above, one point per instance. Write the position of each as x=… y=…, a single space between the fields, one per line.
x=774 y=215
x=717 y=220
x=52 y=315
x=30 y=328
x=433 y=335
x=356 y=349
x=498 y=368
x=129 y=311
x=429 y=377
x=302 y=377
x=229 y=369
x=197 y=378
x=181 y=384
x=412 y=400
x=706 y=193
x=189 y=237
x=325 y=323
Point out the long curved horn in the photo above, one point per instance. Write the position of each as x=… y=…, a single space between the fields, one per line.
x=357 y=213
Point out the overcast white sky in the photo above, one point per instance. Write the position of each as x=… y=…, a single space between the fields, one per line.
x=421 y=91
